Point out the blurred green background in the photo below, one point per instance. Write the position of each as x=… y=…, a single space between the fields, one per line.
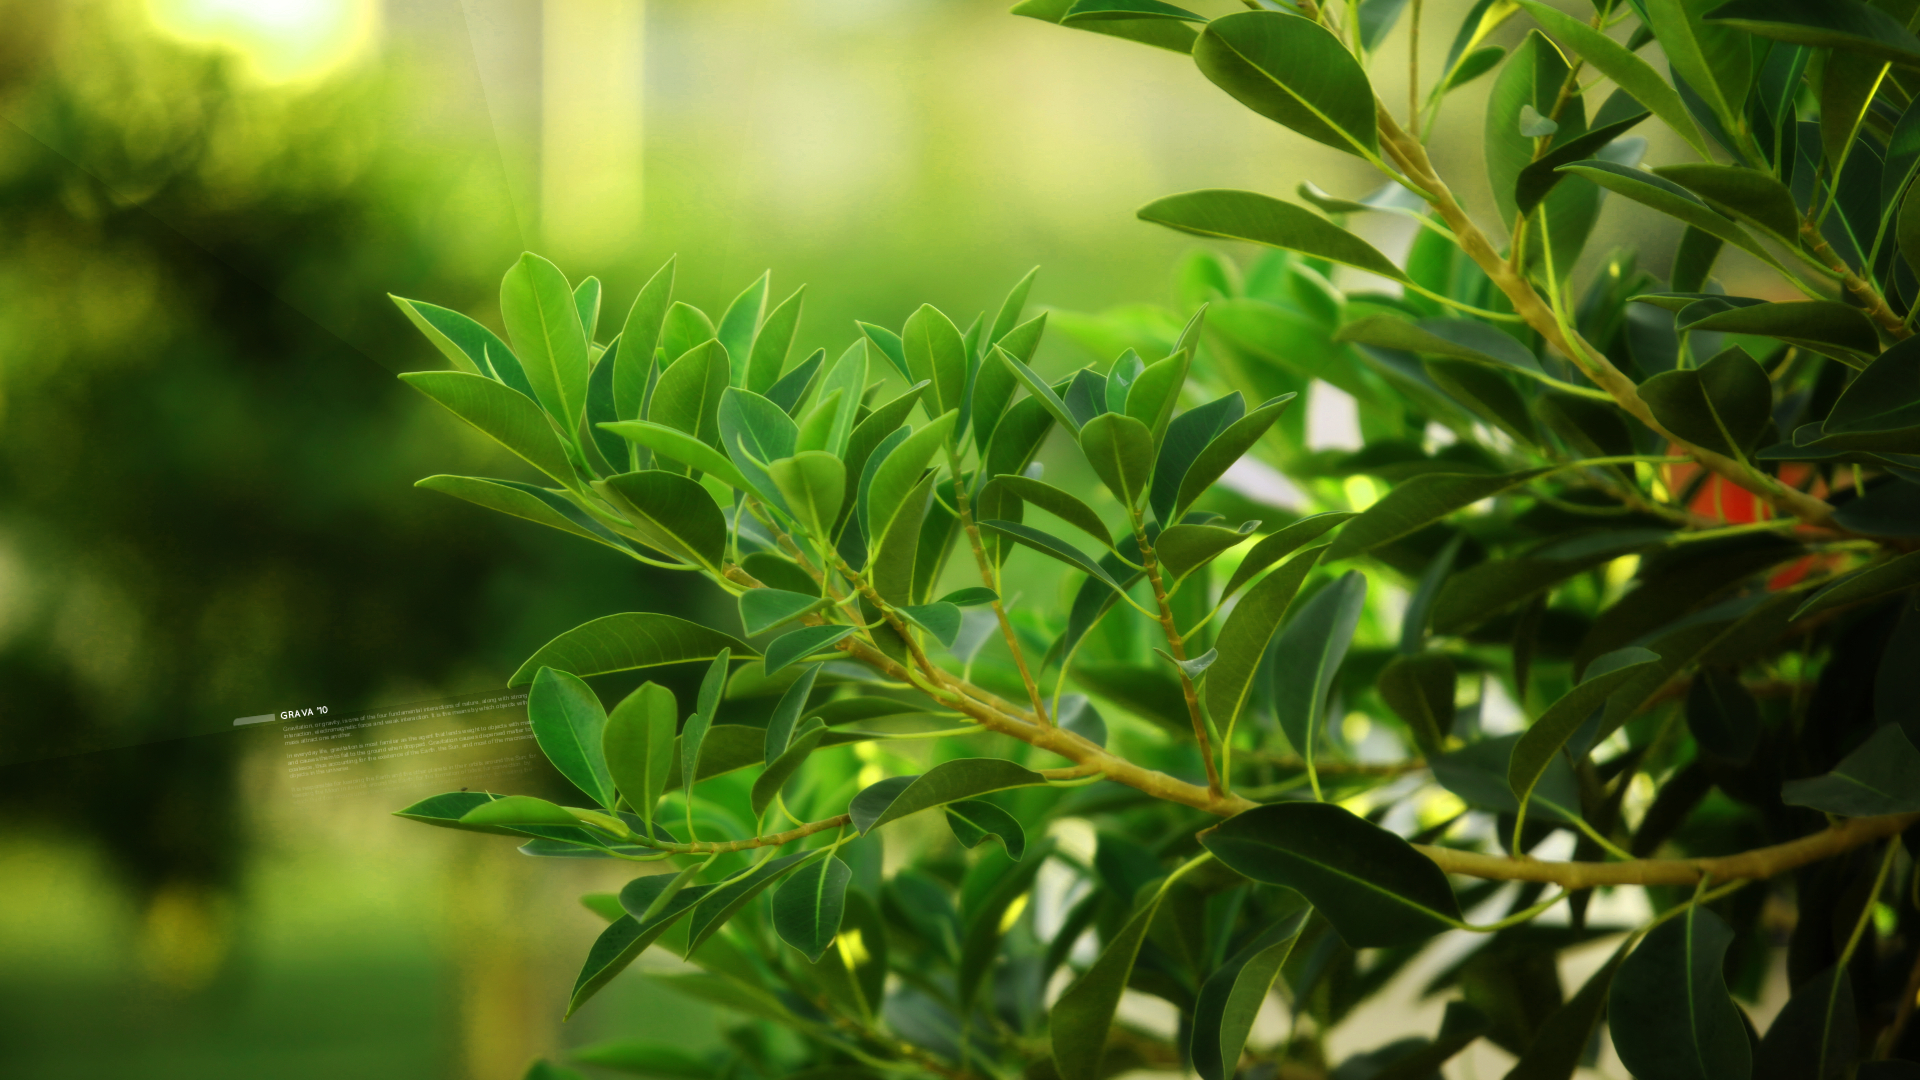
x=205 y=462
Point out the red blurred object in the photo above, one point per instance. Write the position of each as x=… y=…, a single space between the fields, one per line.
x=1723 y=500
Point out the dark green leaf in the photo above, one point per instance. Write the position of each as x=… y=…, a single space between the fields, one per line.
x=1864 y=584
x=1223 y=1014
x=1182 y=549
x=544 y=325
x=790 y=390
x=975 y=820
x=1162 y=33
x=807 y=907
x=1538 y=179
x=1083 y=1014
x=796 y=645
x=1262 y=219
x=1668 y=1008
x=1308 y=656
x=1420 y=502
x=763 y=609
x=504 y=415
x=1053 y=546
x=1722 y=715
x=727 y=898
x=1457 y=339
x=1561 y=1043
x=1543 y=740
x=1477 y=772
x=1816 y=1036
x=448 y=810
x=1373 y=886
x=1279 y=544
x=1226 y=448
x=1618 y=63
x=567 y=722
x=1881 y=777
x=1120 y=449
x=1670 y=199
x=1067 y=507
x=1725 y=405
x=672 y=513
x=1419 y=689
x=806 y=738
x=1294 y=72
x=1748 y=195
x=1845 y=25
x=1715 y=60
x=1244 y=638
x=951 y=781
x=1529 y=83
x=1186 y=437
x=1820 y=325
x=635 y=639
x=786 y=714
x=638 y=746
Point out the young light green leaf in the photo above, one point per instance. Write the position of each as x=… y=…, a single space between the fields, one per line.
x=638 y=745
x=848 y=378
x=448 y=810
x=889 y=345
x=685 y=326
x=672 y=513
x=1618 y=63
x=1120 y=449
x=1543 y=740
x=1374 y=888
x=950 y=781
x=1061 y=504
x=641 y=331
x=461 y=340
x=806 y=738
x=896 y=475
x=738 y=325
x=1419 y=502
x=1308 y=656
x=814 y=483
x=1669 y=1010
x=504 y=415
x=635 y=639
x=768 y=357
x=1280 y=543
x=795 y=645
x=682 y=447
x=754 y=433
x=973 y=821
x=512 y=811
x=1231 y=997
x=1294 y=72
x=1881 y=777
x=544 y=326
x=1262 y=219
x=971 y=596
x=1157 y=390
x=808 y=906
x=586 y=301
x=687 y=395
x=567 y=722
x=934 y=353
x=1226 y=448
x=1243 y=640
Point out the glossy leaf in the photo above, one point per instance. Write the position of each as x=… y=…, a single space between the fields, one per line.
x=670 y=512
x=638 y=746
x=792 y=389
x=1668 y=1008
x=950 y=781
x=796 y=645
x=448 y=810
x=1226 y=448
x=544 y=326
x=809 y=904
x=687 y=396
x=641 y=331
x=1182 y=549
x=1061 y=504
x=504 y=415
x=1243 y=640
x=1224 y=1012
x=1881 y=777
x=1544 y=738
x=1618 y=63
x=1280 y=543
x=974 y=821
x=681 y=447
x=1374 y=888
x=814 y=484
x=1262 y=219
x=461 y=340
x=1120 y=449
x=935 y=354
x=1725 y=405
x=514 y=811
x=567 y=722
x=1417 y=503
x=627 y=641
x=1538 y=179
x=1294 y=72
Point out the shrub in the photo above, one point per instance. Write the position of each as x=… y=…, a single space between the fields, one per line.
x=1672 y=524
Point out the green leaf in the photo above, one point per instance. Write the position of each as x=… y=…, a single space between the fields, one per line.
x=1864 y=584
x=889 y=345
x=934 y=353
x=1906 y=230
x=814 y=483
x=638 y=746
x=693 y=736
x=847 y=377
x=786 y=714
x=1243 y=640
x=940 y=620
x=1419 y=502
x=673 y=513
x=973 y=821
x=1881 y=777
x=1529 y=83
x=1825 y=326
x=1294 y=72
x=635 y=639
x=1008 y=316
x=1715 y=60
x=586 y=301
x=508 y=811
x=1475 y=64
x=506 y=416
x=542 y=1069
x=641 y=331
x=1053 y=547
x=1308 y=656
x=1477 y=773
x=1419 y=689
x=1231 y=997
x=1098 y=10
x=1182 y=549
x=1668 y=1008
x=1488 y=393
x=755 y=433
x=737 y=326
x=685 y=327
x=1262 y=219
x=1844 y=25
x=768 y=357
x=900 y=472
x=1724 y=405
x=1816 y=1036
x=971 y=596
x=1083 y=1014
x=1156 y=391
x=1722 y=715
x=795 y=645
x=1457 y=339
x=509 y=498
x=544 y=326
x=1746 y=194
x=682 y=447
x=1185 y=437
x=687 y=397
x=1040 y=390
x=727 y=898
x=1476 y=594
x=1618 y=63
x=870 y=434
x=1226 y=448
x=1280 y=543
x=1170 y=34
x=1061 y=504
x=461 y=340
x=793 y=388
x=808 y=906
x=645 y=1058
x=1542 y=741
x=1562 y=1040
x=1374 y=888
x=1670 y=199
x=567 y=722
x=1120 y=449
x=1121 y=376
x=448 y=811
x=950 y=781
x=763 y=609
x=1537 y=179
x=806 y=739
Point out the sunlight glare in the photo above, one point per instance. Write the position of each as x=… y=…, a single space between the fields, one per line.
x=280 y=40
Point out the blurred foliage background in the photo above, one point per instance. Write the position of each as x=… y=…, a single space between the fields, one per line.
x=206 y=507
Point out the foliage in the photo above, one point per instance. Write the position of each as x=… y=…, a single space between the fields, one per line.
x=1670 y=523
